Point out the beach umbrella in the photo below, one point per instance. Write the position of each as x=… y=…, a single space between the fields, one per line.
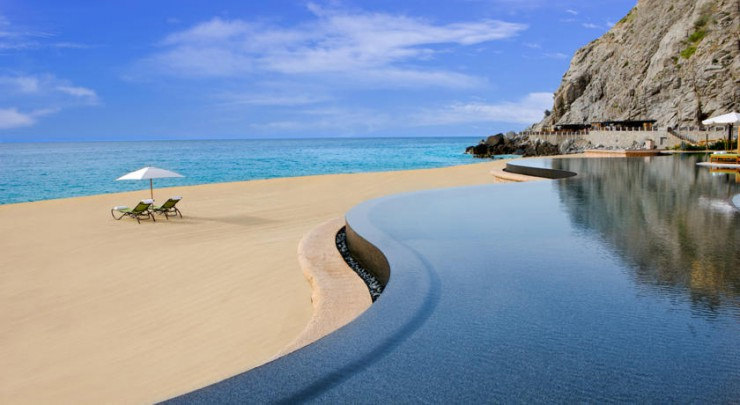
x=149 y=173
x=731 y=119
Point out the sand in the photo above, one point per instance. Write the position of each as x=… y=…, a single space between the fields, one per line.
x=97 y=310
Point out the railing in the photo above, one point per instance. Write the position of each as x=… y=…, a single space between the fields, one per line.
x=698 y=135
x=699 y=132
x=559 y=133
x=703 y=129
x=626 y=129
x=587 y=131
x=681 y=137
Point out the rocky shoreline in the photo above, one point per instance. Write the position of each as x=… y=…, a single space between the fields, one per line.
x=515 y=144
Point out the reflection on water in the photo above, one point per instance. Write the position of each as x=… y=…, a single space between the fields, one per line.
x=732 y=173
x=664 y=216
x=610 y=286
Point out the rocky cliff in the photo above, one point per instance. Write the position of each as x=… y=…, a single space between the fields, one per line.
x=675 y=61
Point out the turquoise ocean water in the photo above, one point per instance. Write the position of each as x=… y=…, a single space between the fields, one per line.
x=40 y=171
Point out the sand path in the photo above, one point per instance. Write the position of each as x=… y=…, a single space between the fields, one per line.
x=96 y=310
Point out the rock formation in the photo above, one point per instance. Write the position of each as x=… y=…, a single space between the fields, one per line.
x=675 y=61
x=512 y=144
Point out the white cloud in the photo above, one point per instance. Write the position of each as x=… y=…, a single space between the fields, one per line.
x=80 y=92
x=400 y=77
x=45 y=86
x=610 y=23
x=591 y=26
x=517 y=5
x=34 y=96
x=346 y=121
x=528 y=110
x=69 y=45
x=270 y=99
x=555 y=55
x=16 y=38
x=22 y=84
x=351 y=121
x=571 y=12
x=351 y=45
x=532 y=45
x=12 y=118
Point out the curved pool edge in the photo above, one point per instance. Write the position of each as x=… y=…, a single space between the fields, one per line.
x=368 y=255
x=338 y=294
x=525 y=169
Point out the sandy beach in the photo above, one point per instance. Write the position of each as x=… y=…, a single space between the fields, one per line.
x=97 y=310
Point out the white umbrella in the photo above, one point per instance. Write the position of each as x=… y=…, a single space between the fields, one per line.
x=731 y=119
x=149 y=173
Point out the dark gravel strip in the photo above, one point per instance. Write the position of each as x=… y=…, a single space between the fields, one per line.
x=373 y=285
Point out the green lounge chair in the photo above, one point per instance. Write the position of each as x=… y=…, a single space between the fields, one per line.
x=141 y=211
x=168 y=208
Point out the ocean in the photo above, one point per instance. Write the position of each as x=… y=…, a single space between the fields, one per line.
x=41 y=171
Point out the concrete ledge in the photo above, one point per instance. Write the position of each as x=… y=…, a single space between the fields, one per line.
x=338 y=294
x=369 y=256
x=502 y=175
x=533 y=171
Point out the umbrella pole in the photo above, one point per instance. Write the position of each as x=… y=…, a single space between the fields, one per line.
x=729 y=139
x=151 y=188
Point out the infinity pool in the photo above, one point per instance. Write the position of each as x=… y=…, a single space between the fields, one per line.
x=619 y=284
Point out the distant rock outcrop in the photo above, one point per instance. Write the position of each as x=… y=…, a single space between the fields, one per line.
x=675 y=61
x=512 y=144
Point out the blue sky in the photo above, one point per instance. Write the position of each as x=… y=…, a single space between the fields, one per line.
x=105 y=70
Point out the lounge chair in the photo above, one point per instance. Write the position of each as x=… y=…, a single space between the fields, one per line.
x=141 y=211
x=168 y=208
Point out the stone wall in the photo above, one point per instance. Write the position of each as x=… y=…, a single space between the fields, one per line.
x=696 y=136
x=615 y=139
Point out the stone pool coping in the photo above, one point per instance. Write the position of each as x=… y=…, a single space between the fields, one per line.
x=338 y=294
x=501 y=174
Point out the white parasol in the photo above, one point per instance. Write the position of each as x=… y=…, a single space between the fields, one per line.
x=149 y=173
x=731 y=119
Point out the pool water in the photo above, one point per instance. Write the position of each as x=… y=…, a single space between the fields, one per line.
x=619 y=284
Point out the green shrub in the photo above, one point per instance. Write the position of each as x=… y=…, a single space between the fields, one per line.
x=719 y=145
x=697 y=36
x=701 y=22
x=629 y=17
x=688 y=52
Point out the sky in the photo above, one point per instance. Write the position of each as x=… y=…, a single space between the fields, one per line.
x=146 y=70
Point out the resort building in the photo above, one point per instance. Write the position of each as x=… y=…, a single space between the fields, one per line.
x=628 y=125
x=629 y=134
